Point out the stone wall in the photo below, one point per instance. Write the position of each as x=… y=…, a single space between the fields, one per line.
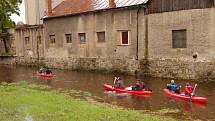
x=110 y=65
x=164 y=68
x=179 y=69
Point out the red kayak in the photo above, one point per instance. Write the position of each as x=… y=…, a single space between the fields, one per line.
x=46 y=75
x=112 y=88
x=186 y=98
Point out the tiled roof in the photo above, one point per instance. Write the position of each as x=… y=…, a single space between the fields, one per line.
x=80 y=6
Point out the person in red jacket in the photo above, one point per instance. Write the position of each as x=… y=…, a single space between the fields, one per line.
x=189 y=89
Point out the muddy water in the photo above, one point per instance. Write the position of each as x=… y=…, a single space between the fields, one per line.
x=92 y=83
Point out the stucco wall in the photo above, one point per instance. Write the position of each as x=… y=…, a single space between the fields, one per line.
x=109 y=21
x=108 y=52
x=165 y=61
x=199 y=24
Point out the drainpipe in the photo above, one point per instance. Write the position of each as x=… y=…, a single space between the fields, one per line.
x=146 y=35
x=137 y=51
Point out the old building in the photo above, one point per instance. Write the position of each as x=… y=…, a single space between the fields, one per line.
x=29 y=43
x=95 y=35
x=35 y=10
x=162 y=38
x=181 y=38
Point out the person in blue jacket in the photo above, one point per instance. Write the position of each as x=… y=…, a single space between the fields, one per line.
x=172 y=86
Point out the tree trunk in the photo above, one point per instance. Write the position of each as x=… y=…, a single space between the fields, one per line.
x=5 y=45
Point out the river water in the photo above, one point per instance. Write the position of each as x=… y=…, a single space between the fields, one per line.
x=91 y=83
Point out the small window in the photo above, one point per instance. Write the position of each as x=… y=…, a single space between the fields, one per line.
x=123 y=37
x=179 y=38
x=68 y=38
x=27 y=40
x=82 y=38
x=52 y=39
x=39 y=39
x=101 y=37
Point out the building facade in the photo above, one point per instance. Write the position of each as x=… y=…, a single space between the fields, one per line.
x=173 y=39
x=35 y=10
x=29 y=43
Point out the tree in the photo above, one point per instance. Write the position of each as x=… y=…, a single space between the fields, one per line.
x=7 y=8
x=20 y=23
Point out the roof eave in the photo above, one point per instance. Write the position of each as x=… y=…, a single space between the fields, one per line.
x=99 y=10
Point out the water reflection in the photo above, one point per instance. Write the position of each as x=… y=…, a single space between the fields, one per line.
x=92 y=82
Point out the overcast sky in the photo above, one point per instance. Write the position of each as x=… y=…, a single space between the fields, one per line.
x=17 y=18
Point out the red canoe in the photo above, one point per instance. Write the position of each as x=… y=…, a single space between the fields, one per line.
x=112 y=88
x=186 y=98
x=46 y=75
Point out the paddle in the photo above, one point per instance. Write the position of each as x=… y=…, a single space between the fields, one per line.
x=192 y=94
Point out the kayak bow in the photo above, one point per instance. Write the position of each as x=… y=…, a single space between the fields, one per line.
x=186 y=98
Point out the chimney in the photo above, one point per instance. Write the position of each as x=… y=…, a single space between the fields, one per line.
x=112 y=4
x=49 y=3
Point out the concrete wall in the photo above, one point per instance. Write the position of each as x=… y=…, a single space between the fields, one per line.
x=199 y=24
x=34 y=49
x=165 y=61
x=109 y=53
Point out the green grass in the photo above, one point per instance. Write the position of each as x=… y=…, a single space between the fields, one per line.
x=22 y=102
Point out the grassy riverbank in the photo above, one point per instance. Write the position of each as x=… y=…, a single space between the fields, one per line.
x=22 y=102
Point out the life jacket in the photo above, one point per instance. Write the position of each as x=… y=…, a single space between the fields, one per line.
x=188 y=90
x=172 y=87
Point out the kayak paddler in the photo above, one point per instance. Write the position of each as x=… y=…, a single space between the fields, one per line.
x=173 y=87
x=44 y=70
x=188 y=89
x=139 y=85
x=118 y=82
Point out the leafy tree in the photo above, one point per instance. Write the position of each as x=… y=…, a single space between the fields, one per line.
x=7 y=8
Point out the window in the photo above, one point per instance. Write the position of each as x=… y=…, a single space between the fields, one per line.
x=68 y=38
x=82 y=38
x=101 y=37
x=52 y=39
x=179 y=38
x=123 y=37
x=27 y=40
x=39 y=39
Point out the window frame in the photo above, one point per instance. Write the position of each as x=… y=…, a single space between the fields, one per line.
x=66 y=38
x=27 y=42
x=85 y=38
x=51 y=39
x=120 y=37
x=183 y=39
x=99 y=40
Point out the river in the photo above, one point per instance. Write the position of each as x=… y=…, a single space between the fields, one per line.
x=91 y=82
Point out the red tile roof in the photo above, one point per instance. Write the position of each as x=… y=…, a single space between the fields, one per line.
x=80 y=6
